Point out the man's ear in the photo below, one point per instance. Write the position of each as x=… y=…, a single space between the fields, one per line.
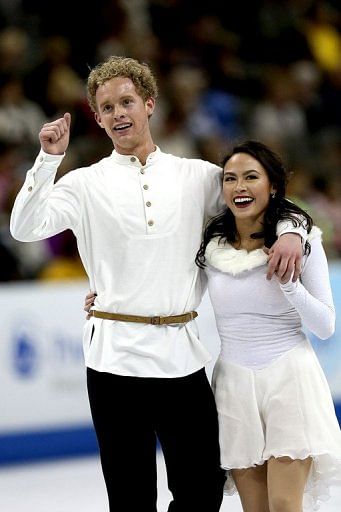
x=98 y=120
x=150 y=105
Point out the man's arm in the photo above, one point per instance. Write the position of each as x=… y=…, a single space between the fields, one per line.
x=42 y=209
x=285 y=258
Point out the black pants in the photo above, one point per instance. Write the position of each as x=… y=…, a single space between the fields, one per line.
x=130 y=413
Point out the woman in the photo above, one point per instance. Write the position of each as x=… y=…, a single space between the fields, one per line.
x=279 y=436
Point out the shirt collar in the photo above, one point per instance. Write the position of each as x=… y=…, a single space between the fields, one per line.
x=133 y=160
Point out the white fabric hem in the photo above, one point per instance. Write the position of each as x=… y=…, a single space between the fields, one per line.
x=325 y=472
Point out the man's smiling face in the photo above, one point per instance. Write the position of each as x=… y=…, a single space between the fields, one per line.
x=123 y=114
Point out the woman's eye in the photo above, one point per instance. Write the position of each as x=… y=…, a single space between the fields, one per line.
x=228 y=178
x=251 y=177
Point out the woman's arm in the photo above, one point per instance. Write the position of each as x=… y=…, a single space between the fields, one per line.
x=312 y=296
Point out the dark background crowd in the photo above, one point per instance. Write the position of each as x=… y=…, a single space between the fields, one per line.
x=269 y=70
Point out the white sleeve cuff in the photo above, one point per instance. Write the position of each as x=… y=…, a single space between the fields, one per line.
x=289 y=287
x=286 y=226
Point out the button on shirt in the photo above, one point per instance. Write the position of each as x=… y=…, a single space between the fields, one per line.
x=138 y=230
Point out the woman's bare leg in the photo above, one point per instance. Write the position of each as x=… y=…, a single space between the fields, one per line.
x=286 y=483
x=251 y=484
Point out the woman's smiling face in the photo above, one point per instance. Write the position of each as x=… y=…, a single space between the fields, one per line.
x=246 y=187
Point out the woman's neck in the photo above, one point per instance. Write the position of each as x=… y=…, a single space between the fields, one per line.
x=244 y=232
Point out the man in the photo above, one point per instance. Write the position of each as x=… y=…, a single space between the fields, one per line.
x=138 y=217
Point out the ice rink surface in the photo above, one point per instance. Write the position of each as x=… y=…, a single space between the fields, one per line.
x=76 y=485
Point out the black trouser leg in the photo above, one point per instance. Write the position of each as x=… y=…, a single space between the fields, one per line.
x=188 y=433
x=126 y=439
x=129 y=411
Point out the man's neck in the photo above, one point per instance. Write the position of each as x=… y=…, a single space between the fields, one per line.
x=141 y=152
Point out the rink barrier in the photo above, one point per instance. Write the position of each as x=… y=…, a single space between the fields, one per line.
x=44 y=410
x=56 y=444
x=47 y=444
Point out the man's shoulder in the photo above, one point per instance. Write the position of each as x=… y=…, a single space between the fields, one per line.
x=193 y=163
x=87 y=171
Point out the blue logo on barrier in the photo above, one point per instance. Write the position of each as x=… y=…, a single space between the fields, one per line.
x=25 y=356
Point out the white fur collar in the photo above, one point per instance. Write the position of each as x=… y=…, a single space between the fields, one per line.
x=224 y=257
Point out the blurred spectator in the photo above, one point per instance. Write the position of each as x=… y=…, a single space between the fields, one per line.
x=306 y=80
x=275 y=35
x=173 y=136
x=323 y=35
x=20 y=118
x=323 y=197
x=15 y=54
x=55 y=52
x=279 y=120
x=269 y=69
x=331 y=99
x=66 y=93
x=301 y=189
x=81 y=27
x=9 y=268
x=65 y=263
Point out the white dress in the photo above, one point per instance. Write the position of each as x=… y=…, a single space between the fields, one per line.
x=272 y=396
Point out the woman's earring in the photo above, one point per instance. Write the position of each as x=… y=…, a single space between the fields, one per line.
x=273 y=195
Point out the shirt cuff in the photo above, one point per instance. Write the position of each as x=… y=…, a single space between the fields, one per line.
x=45 y=165
x=284 y=227
x=289 y=287
x=48 y=158
x=45 y=162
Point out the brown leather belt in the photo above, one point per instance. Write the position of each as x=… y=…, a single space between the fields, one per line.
x=154 y=320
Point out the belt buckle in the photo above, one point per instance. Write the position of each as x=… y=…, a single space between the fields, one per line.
x=155 y=320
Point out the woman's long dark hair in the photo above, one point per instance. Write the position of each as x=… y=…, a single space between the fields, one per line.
x=279 y=208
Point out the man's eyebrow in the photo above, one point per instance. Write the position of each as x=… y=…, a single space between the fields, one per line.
x=123 y=97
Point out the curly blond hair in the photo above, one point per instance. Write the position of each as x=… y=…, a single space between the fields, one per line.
x=126 y=67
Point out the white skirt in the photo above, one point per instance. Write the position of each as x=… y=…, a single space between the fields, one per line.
x=285 y=409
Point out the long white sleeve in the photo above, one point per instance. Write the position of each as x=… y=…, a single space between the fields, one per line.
x=312 y=296
x=41 y=208
x=286 y=226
